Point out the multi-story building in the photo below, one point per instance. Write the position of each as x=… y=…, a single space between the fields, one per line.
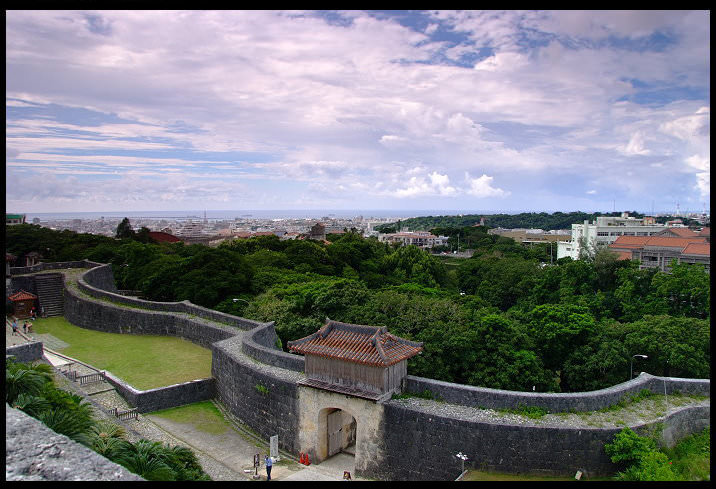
x=11 y=219
x=531 y=235
x=659 y=251
x=604 y=231
x=421 y=239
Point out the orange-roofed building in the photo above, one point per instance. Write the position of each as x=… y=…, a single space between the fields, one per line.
x=23 y=302
x=162 y=237
x=362 y=361
x=659 y=251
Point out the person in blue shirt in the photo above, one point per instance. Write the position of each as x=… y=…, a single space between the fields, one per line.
x=269 y=464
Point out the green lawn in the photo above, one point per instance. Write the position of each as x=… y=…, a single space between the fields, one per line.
x=477 y=475
x=143 y=361
x=202 y=415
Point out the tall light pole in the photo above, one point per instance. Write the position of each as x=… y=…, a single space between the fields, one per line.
x=462 y=457
x=631 y=364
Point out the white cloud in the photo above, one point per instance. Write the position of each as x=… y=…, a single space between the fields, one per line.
x=482 y=187
x=435 y=184
x=693 y=128
x=336 y=106
x=636 y=145
x=503 y=61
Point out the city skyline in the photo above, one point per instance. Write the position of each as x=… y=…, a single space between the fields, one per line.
x=407 y=110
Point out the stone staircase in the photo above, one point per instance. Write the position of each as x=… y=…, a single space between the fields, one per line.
x=50 y=294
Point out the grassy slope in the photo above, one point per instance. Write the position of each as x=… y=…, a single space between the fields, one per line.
x=144 y=361
x=202 y=415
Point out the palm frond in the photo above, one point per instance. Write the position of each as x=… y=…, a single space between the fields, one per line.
x=31 y=405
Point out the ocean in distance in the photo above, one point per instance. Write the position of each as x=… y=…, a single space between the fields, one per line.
x=246 y=213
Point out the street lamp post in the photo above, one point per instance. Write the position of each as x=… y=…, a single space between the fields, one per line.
x=631 y=364
x=242 y=300
x=462 y=457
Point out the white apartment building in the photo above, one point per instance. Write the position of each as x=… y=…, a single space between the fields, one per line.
x=422 y=239
x=604 y=231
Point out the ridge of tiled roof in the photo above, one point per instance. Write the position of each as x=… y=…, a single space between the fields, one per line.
x=697 y=249
x=22 y=295
x=368 y=345
x=681 y=232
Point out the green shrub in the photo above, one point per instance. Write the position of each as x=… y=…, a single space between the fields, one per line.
x=642 y=460
x=692 y=456
x=652 y=466
x=628 y=447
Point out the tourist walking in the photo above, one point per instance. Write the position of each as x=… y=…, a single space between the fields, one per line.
x=269 y=464
x=14 y=327
x=24 y=327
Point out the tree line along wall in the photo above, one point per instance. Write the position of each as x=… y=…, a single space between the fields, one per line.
x=257 y=383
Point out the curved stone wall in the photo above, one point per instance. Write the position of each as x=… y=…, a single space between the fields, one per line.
x=421 y=444
x=484 y=397
x=257 y=383
x=44 y=266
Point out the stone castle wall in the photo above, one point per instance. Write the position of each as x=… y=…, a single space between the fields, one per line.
x=483 y=397
x=423 y=444
x=33 y=452
x=26 y=352
x=257 y=383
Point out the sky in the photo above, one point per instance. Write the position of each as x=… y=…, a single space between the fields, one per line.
x=503 y=111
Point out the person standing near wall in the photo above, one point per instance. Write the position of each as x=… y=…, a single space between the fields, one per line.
x=269 y=464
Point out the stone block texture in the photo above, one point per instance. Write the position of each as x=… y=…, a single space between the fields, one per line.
x=27 y=352
x=33 y=452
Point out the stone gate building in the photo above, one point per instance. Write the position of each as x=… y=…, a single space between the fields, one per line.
x=363 y=365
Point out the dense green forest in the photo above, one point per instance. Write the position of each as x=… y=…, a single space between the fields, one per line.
x=504 y=318
x=526 y=220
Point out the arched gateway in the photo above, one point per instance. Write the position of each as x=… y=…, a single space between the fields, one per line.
x=350 y=369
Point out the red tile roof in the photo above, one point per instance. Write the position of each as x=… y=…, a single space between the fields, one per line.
x=624 y=255
x=22 y=296
x=629 y=242
x=162 y=237
x=678 y=231
x=705 y=232
x=633 y=242
x=698 y=249
x=669 y=242
x=367 y=345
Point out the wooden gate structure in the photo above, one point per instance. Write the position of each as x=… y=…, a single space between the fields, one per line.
x=335 y=432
